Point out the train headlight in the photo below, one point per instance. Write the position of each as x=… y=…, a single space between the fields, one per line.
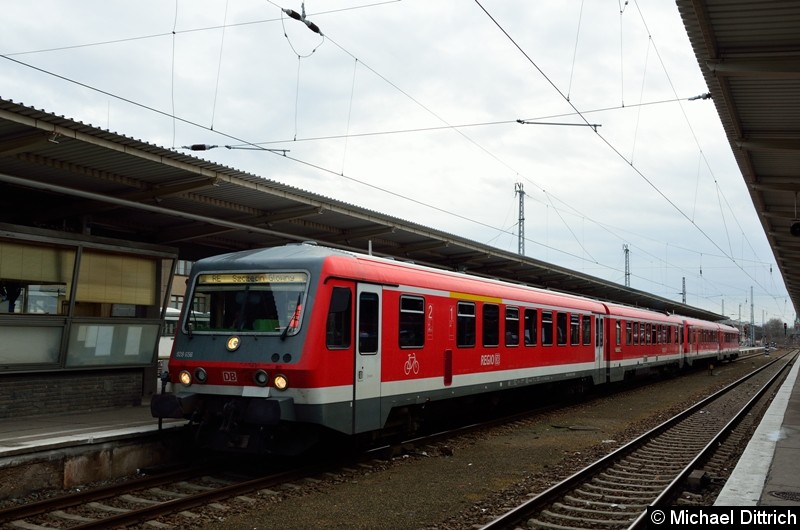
x=260 y=378
x=280 y=382
x=200 y=375
x=185 y=377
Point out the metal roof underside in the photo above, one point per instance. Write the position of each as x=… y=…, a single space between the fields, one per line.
x=749 y=53
x=60 y=174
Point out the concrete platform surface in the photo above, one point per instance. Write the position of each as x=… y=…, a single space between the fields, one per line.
x=768 y=473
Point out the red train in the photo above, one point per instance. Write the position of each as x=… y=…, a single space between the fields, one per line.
x=283 y=344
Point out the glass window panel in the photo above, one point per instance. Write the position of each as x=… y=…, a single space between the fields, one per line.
x=412 y=322
x=111 y=344
x=512 y=326
x=465 y=324
x=491 y=325
x=29 y=344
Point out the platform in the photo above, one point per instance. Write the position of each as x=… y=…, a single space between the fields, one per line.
x=44 y=433
x=768 y=473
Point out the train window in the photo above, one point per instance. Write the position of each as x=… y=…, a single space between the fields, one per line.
x=337 y=327
x=561 y=328
x=530 y=327
x=598 y=332
x=652 y=330
x=635 y=333
x=587 y=329
x=251 y=302
x=619 y=333
x=628 y=333
x=574 y=330
x=465 y=325
x=547 y=328
x=491 y=325
x=368 y=316
x=512 y=326
x=412 y=322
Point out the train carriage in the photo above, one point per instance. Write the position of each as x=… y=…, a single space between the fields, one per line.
x=642 y=340
x=303 y=339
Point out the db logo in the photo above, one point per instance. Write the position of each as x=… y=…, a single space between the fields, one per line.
x=229 y=377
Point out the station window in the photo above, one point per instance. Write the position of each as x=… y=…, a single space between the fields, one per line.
x=412 y=322
x=512 y=326
x=547 y=328
x=465 y=325
x=175 y=301
x=574 y=330
x=183 y=267
x=561 y=328
x=530 y=327
x=491 y=325
x=338 y=323
x=35 y=279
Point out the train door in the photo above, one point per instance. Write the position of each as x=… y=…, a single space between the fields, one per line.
x=600 y=340
x=367 y=387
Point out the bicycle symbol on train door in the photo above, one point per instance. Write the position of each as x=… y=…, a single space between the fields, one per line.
x=412 y=364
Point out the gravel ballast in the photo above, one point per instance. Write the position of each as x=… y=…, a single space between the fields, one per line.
x=449 y=486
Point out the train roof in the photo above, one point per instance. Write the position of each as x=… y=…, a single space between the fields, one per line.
x=391 y=271
x=255 y=258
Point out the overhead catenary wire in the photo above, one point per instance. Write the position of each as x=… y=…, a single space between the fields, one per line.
x=611 y=146
x=249 y=145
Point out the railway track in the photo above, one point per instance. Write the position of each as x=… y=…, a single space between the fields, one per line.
x=144 y=499
x=168 y=497
x=653 y=470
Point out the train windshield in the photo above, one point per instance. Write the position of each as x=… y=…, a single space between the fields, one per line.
x=249 y=302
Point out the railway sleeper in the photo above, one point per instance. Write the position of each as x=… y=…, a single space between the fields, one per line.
x=621 y=474
x=61 y=514
x=584 y=521
x=671 y=447
x=639 y=490
x=586 y=502
x=644 y=484
x=193 y=486
x=624 y=511
x=538 y=523
x=99 y=506
x=629 y=485
x=621 y=497
x=646 y=464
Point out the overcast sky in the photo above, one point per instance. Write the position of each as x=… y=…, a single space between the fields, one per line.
x=411 y=108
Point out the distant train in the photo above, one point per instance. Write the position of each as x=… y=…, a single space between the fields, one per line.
x=301 y=339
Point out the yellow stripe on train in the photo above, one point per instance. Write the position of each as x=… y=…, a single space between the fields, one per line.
x=475 y=297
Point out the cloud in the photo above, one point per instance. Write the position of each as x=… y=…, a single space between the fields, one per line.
x=410 y=108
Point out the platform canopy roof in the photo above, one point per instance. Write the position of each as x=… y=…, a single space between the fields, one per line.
x=749 y=53
x=60 y=174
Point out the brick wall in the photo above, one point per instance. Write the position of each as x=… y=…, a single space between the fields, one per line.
x=66 y=392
